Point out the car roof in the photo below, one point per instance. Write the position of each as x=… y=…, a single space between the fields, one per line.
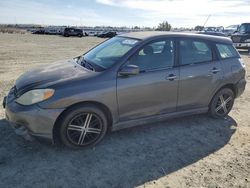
x=144 y=35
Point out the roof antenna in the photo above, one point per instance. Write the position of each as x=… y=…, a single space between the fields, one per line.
x=206 y=20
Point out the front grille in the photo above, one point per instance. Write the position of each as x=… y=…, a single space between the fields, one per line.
x=236 y=39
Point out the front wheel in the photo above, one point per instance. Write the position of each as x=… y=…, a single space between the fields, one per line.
x=83 y=126
x=222 y=103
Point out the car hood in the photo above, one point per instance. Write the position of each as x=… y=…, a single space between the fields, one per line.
x=51 y=74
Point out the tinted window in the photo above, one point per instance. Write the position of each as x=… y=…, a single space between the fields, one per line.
x=155 y=55
x=226 y=51
x=192 y=51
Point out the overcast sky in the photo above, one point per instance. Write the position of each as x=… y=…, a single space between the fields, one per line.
x=179 y=13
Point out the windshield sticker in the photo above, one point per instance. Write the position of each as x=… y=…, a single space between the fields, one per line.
x=129 y=42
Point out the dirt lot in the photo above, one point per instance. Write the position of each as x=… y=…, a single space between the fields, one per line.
x=195 y=151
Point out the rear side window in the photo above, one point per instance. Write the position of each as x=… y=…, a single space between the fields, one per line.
x=193 y=52
x=227 y=51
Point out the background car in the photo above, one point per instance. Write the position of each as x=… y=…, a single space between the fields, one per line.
x=241 y=38
x=91 y=33
x=51 y=31
x=108 y=34
x=212 y=33
x=230 y=30
x=71 y=31
x=38 y=31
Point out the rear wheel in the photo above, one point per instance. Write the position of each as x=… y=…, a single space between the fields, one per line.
x=83 y=126
x=222 y=103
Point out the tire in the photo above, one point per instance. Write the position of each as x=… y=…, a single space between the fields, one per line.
x=83 y=126
x=221 y=103
x=80 y=35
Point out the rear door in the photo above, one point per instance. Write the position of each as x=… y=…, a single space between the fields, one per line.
x=200 y=74
x=154 y=90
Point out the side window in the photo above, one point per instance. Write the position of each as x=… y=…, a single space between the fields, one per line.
x=192 y=51
x=155 y=55
x=227 y=51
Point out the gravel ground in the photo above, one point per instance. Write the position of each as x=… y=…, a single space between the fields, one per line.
x=194 y=151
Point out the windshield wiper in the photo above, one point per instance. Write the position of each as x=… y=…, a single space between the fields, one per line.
x=87 y=65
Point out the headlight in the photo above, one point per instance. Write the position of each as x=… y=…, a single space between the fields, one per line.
x=35 y=96
x=247 y=40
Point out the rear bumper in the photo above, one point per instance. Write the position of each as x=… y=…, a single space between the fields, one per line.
x=32 y=120
x=240 y=86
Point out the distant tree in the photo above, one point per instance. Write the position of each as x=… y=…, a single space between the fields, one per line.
x=136 y=27
x=164 y=26
x=198 y=28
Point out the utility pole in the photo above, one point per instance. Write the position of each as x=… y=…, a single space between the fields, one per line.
x=15 y=21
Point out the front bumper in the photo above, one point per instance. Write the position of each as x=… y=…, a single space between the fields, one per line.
x=242 y=45
x=32 y=119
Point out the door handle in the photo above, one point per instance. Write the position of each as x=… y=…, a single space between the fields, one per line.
x=215 y=70
x=171 y=77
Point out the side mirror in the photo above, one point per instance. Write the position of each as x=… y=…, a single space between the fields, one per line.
x=129 y=70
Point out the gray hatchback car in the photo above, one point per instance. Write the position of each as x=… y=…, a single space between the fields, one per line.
x=131 y=79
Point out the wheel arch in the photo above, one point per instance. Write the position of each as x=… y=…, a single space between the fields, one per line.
x=214 y=101
x=230 y=86
x=99 y=105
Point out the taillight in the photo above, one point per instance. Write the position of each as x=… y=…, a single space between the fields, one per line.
x=242 y=63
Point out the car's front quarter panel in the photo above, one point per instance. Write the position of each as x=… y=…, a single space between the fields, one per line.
x=100 y=89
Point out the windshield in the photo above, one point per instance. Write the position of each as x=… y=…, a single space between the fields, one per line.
x=109 y=52
x=244 y=28
x=232 y=27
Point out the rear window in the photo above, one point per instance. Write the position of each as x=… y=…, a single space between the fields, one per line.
x=227 y=51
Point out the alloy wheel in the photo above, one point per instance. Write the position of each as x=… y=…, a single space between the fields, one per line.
x=84 y=129
x=224 y=104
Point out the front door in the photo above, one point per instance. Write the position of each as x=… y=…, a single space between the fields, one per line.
x=154 y=90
